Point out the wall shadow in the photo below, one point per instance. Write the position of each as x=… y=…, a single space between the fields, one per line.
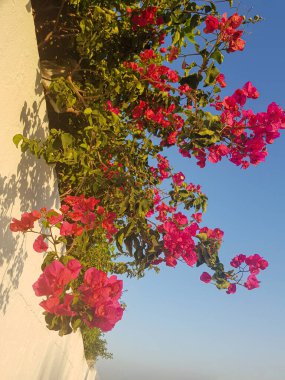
x=12 y=255
x=30 y=188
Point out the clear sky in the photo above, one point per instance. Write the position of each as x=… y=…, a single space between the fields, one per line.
x=176 y=327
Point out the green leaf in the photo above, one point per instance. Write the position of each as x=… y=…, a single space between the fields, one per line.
x=88 y=111
x=17 y=139
x=211 y=75
x=76 y=323
x=217 y=56
x=176 y=37
x=49 y=258
x=66 y=140
x=192 y=80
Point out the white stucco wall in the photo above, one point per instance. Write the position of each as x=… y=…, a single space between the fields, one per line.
x=28 y=350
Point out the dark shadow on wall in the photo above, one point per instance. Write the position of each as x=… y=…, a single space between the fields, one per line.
x=31 y=187
x=29 y=7
x=12 y=255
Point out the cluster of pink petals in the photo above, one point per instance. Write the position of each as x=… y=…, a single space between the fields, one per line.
x=163 y=170
x=146 y=17
x=221 y=80
x=55 y=277
x=173 y=54
x=77 y=215
x=216 y=233
x=40 y=245
x=26 y=222
x=147 y=55
x=255 y=263
x=97 y=297
x=249 y=133
x=178 y=240
x=228 y=30
x=206 y=277
x=163 y=167
x=163 y=118
x=156 y=74
x=111 y=108
x=100 y=294
x=178 y=178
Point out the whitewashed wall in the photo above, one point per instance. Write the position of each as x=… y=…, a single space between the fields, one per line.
x=28 y=350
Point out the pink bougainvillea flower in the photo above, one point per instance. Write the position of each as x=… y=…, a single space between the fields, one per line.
x=101 y=295
x=146 y=17
x=238 y=260
x=147 y=54
x=106 y=315
x=173 y=54
x=171 y=261
x=112 y=109
x=66 y=229
x=53 y=280
x=250 y=91
x=212 y=24
x=178 y=178
x=100 y=210
x=232 y=289
x=197 y=216
x=180 y=218
x=74 y=266
x=206 y=277
x=54 y=306
x=190 y=257
x=235 y=20
x=251 y=282
x=26 y=222
x=40 y=245
x=256 y=263
x=221 y=80
x=237 y=44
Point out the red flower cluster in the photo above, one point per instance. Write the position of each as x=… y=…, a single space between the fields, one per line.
x=178 y=233
x=146 y=17
x=100 y=294
x=26 y=222
x=221 y=80
x=95 y=301
x=55 y=277
x=253 y=264
x=40 y=245
x=77 y=214
x=163 y=118
x=85 y=215
x=110 y=107
x=206 y=277
x=163 y=170
x=216 y=233
x=173 y=54
x=155 y=74
x=249 y=132
x=212 y=24
x=178 y=240
x=230 y=34
x=178 y=178
x=228 y=30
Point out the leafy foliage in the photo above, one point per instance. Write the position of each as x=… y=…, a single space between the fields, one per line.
x=116 y=105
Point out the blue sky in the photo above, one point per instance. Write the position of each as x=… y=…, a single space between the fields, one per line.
x=176 y=327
